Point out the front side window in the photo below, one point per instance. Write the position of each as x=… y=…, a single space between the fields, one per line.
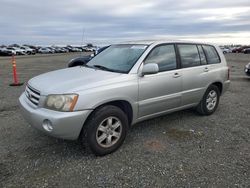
x=211 y=54
x=189 y=55
x=118 y=58
x=164 y=56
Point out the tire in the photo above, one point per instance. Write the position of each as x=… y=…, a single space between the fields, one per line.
x=97 y=127
x=209 y=104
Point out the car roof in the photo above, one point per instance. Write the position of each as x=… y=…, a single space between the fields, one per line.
x=161 y=41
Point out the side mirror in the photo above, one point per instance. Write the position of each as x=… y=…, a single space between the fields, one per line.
x=151 y=68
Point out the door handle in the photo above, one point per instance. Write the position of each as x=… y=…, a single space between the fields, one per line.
x=206 y=69
x=176 y=75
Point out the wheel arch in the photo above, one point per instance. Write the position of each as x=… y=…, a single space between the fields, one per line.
x=124 y=105
x=219 y=85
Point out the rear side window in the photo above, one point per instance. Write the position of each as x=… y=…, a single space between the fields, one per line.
x=189 y=55
x=164 y=56
x=211 y=54
x=202 y=55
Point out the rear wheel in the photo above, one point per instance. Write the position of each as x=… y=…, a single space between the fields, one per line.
x=210 y=101
x=105 y=130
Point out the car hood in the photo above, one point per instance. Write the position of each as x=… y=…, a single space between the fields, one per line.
x=71 y=80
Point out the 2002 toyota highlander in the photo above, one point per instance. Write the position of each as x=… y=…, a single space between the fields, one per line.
x=125 y=84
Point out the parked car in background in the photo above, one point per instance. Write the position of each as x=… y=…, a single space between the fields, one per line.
x=6 y=52
x=75 y=49
x=247 y=69
x=61 y=50
x=246 y=51
x=226 y=50
x=65 y=49
x=28 y=50
x=240 y=49
x=17 y=50
x=56 y=49
x=52 y=50
x=71 y=49
x=78 y=61
x=125 y=84
x=237 y=50
x=35 y=48
x=45 y=51
x=88 y=49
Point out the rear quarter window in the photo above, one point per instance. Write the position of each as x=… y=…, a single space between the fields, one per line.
x=211 y=54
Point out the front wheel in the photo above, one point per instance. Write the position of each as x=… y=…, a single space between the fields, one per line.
x=210 y=101
x=105 y=130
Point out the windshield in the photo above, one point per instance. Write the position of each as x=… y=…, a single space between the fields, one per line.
x=118 y=58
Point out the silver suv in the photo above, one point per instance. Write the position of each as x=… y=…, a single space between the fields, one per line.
x=123 y=85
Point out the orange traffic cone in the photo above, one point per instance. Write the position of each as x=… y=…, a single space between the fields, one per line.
x=15 y=79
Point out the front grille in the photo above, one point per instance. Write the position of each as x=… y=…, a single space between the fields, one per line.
x=32 y=94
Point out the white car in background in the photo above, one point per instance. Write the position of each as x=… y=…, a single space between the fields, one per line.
x=17 y=51
x=28 y=50
x=5 y=51
x=226 y=50
x=45 y=51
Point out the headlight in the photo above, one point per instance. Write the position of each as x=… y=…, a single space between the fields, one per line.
x=65 y=103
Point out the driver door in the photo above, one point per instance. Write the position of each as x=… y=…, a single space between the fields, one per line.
x=161 y=92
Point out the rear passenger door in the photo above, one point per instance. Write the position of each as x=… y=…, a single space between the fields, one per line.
x=162 y=91
x=194 y=72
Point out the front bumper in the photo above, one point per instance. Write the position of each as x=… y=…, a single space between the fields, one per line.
x=66 y=125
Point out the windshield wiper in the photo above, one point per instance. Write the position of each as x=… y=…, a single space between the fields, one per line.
x=103 y=68
x=108 y=69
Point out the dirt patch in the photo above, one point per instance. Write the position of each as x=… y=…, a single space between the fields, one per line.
x=183 y=134
x=155 y=146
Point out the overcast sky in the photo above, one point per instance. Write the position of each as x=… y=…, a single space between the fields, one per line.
x=110 y=21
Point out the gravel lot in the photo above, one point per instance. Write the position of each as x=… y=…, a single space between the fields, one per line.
x=181 y=149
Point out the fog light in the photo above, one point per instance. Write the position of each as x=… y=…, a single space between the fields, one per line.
x=47 y=125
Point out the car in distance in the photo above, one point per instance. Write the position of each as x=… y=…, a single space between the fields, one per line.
x=246 y=51
x=17 y=50
x=247 y=69
x=45 y=51
x=79 y=61
x=240 y=49
x=6 y=52
x=28 y=50
x=125 y=84
x=226 y=50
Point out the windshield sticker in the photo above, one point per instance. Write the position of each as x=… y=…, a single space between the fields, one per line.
x=142 y=47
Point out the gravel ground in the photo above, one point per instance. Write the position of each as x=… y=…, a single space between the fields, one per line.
x=181 y=149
